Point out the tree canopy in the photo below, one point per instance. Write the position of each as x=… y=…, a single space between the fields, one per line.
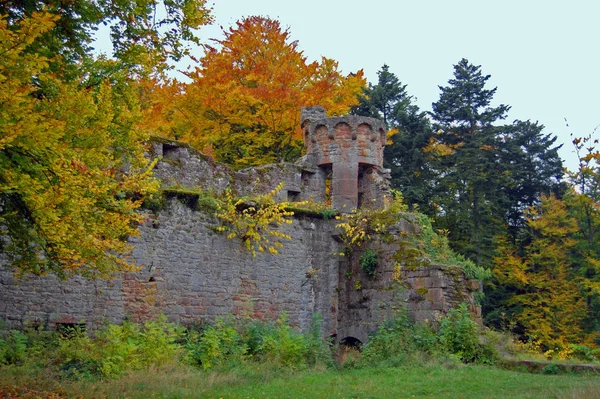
x=72 y=164
x=243 y=104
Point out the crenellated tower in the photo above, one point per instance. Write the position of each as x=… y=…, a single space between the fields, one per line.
x=348 y=152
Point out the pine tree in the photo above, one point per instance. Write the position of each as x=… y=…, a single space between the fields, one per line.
x=466 y=148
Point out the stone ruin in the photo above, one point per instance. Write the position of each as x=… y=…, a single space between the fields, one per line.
x=348 y=154
x=190 y=273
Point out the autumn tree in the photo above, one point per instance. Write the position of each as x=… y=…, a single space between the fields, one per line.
x=72 y=166
x=548 y=296
x=243 y=104
x=145 y=34
x=584 y=205
x=533 y=167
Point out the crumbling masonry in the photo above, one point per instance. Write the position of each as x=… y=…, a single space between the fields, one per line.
x=190 y=273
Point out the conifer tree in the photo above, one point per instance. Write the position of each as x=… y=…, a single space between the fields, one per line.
x=466 y=151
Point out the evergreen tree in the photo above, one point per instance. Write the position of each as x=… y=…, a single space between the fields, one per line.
x=534 y=166
x=384 y=99
x=410 y=166
x=466 y=147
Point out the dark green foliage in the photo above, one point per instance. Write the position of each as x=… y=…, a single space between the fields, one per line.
x=532 y=162
x=488 y=172
x=459 y=335
x=469 y=189
x=400 y=338
x=410 y=168
x=383 y=99
x=13 y=347
x=329 y=213
x=368 y=262
x=551 y=369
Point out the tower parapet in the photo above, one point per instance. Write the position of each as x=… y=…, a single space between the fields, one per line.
x=348 y=151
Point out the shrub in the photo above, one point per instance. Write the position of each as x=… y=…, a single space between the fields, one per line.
x=284 y=346
x=368 y=262
x=396 y=339
x=117 y=349
x=227 y=344
x=585 y=353
x=459 y=335
x=551 y=369
x=318 y=350
x=216 y=346
x=13 y=348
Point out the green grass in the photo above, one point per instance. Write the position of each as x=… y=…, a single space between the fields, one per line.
x=451 y=380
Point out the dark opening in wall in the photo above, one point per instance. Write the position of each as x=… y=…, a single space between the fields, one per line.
x=169 y=151
x=351 y=342
x=306 y=177
x=327 y=173
x=293 y=196
x=365 y=182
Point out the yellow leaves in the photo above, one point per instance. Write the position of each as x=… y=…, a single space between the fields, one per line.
x=72 y=168
x=253 y=224
x=440 y=149
x=549 y=295
x=358 y=226
x=389 y=134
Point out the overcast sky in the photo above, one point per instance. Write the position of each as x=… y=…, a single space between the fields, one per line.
x=543 y=55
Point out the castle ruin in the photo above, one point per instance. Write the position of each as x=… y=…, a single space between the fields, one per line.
x=189 y=272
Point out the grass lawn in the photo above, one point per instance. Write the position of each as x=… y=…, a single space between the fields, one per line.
x=424 y=381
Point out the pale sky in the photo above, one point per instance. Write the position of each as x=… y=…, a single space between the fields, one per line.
x=543 y=55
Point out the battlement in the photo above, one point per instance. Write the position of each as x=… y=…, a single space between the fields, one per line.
x=349 y=152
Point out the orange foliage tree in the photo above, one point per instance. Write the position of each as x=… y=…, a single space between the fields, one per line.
x=243 y=104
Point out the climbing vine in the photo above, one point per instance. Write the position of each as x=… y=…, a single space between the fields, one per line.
x=358 y=226
x=255 y=222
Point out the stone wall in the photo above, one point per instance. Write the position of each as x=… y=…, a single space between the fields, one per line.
x=191 y=274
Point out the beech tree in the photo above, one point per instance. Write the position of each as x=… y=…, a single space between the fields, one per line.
x=66 y=201
x=72 y=165
x=144 y=33
x=243 y=104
